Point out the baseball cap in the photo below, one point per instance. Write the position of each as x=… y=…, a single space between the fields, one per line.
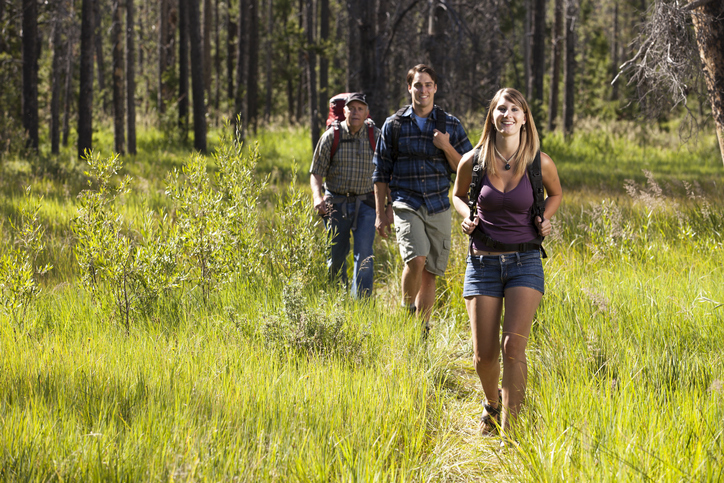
x=356 y=96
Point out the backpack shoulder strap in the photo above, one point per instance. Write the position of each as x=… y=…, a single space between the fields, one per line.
x=335 y=140
x=371 y=133
x=396 y=126
x=440 y=120
x=535 y=174
x=536 y=180
x=476 y=182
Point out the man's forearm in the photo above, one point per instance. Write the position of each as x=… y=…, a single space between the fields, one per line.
x=381 y=190
x=315 y=182
x=453 y=157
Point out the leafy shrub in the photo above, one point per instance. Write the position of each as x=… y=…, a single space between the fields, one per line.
x=216 y=218
x=132 y=270
x=298 y=245
x=18 y=270
x=315 y=330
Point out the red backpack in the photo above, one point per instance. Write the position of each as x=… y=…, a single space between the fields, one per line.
x=336 y=116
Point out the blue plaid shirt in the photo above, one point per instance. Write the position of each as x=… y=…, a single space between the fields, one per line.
x=421 y=173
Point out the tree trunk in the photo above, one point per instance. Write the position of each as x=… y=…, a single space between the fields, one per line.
x=436 y=45
x=367 y=47
x=68 y=73
x=206 y=30
x=168 y=18
x=287 y=70
x=130 y=77
x=709 y=26
x=240 y=65
x=269 y=54
x=30 y=72
x=538 y=61
x=354 y=45
x=324 y=93
x=162 y=47
x=2 y=17
x=252 y=73
x=100 y=59
x=614 y=51
x=527 y=36
x=302 y=69
x=230 y=42
x=217 y=59
x=142 y=22
x=570 y=66
x=85 y=98
x=311 y=74
x=197 y=75
x=378 y=97
x=556 y=65
x=57 y=80
x=183 y=70
x=118 y=111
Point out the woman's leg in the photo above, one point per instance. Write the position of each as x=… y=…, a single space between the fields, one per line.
x=484 y=313
x=520 y=306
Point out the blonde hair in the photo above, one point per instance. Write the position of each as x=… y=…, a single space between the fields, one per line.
x=529 y=142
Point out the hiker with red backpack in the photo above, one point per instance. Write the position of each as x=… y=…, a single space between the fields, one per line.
x=342 y=189
x=419 y=150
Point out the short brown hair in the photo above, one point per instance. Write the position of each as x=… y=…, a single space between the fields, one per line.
x=425 y=69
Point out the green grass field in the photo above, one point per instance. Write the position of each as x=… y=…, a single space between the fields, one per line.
x=242 y=364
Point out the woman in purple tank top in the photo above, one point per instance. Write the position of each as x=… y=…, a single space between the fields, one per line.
x=504 y=267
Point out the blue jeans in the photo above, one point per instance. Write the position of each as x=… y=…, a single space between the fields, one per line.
x=340 y=222
x=491 y=274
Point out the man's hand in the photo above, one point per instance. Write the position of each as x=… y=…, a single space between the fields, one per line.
x=441 y=140
x=382 y=223
x=320 y=205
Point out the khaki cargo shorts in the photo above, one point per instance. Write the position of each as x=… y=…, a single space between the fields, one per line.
x=420 y=234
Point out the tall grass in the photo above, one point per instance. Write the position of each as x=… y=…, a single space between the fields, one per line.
x=282 y=378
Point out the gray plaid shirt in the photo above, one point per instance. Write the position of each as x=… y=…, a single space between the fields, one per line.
x=351 y=169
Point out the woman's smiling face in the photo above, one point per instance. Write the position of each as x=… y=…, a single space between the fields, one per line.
x=508 y=117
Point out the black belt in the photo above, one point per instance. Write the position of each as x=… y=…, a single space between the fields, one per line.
x=535 y=244
x=351 y=198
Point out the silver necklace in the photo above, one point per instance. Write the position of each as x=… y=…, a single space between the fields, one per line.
x=507 y=161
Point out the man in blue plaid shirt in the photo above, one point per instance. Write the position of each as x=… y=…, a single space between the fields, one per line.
x=414 y=162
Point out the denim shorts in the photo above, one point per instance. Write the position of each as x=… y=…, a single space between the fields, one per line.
x=492 y=274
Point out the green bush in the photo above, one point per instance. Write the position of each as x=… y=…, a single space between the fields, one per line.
x=19 y=272
x=314 y=329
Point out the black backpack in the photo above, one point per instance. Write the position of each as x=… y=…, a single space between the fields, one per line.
x=535 y=175
x=440 y=125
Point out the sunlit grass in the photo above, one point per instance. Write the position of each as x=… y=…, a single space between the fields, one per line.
x=626 y=367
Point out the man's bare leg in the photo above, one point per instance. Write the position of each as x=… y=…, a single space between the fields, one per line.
x=412 y=280
x=425 y=299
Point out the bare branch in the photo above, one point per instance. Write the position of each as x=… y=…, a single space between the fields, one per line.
x=666 y=66
x=395 y=25
x=695 y=4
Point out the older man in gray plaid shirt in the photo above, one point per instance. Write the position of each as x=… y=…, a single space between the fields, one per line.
x=346 y=198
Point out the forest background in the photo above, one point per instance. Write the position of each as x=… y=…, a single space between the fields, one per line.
x=166 y=315
x=64 y=63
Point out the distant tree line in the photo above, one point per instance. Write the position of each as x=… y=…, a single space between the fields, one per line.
x=70 y=63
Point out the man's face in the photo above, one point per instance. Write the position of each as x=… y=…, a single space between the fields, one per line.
x=355 y=114
x=422 y=90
